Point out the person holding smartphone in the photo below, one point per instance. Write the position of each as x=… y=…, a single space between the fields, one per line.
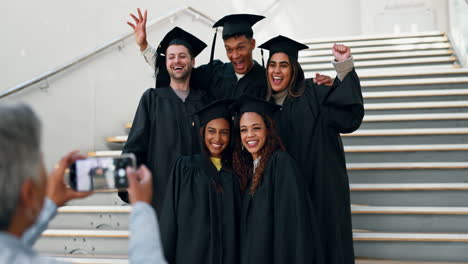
x=29 y=198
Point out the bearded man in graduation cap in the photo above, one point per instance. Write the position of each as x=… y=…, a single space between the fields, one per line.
x=162 y=129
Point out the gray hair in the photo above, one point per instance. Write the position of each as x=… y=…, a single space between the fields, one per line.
x=20 y=155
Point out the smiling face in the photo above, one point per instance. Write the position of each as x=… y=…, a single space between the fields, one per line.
x=253 y=133
x=239 y=51
x=179 y=62
x=279 y=71
x=217 y=134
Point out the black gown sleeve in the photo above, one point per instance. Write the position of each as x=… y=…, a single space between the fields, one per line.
x=168 y=219
x=296 y=236
x=203 y=76
x=138 y=138
x=345 y=104
x=341 y=105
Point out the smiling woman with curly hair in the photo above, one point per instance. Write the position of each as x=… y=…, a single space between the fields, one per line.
x=277 y=225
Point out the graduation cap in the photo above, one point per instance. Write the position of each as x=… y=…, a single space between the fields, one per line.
x=176 y=36
x=217 y=109
x=247 y=103
x=283 y=44
x=235 y=24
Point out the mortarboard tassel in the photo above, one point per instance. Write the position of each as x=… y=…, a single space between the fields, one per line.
x=213 y=45
x=263 y=61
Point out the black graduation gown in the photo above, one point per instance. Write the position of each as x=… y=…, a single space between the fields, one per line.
x=220 y=81
x=198 y=223
x=310 y=128
x=161 y=132
x=277 y=222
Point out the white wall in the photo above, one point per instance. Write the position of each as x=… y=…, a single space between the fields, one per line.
x=87 y=103
x=459 y=29
x=403 y=16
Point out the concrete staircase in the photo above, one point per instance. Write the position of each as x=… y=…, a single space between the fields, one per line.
x=408 y=163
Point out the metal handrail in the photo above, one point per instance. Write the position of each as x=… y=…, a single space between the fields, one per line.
x=101 y=48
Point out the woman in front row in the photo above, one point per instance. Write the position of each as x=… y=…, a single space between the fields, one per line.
x=310 y=123
x=199 y=219
x=277 y=222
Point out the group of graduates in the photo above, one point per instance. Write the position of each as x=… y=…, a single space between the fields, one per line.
x=247 y=161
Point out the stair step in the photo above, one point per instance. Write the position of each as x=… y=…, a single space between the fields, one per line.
x=112 y=153
x=99 y=198
x=408 y=187
x=388 y=48
x=92 y=217
x=381 y=42
x=94 y=209
x=414 y=194
x=387 y=261
x=413 y=82
x=420 y=219
x=415 y=93
x=404 y=153
x=406 y=140
x=428 y=72
x=86 y=233
x=92 y=260
x=425 y=107
x=88 y=242
x=393 y=120
x=407 y=173
x=418 y=237
x=415 y=117
x=359 y=209
x=407 y=165
x=385 y=55
x=407 y=237
x=374 y=37
x=408 y=132
x=412 y=246
x=383 y=63
x=406 y=148
x=117 y=139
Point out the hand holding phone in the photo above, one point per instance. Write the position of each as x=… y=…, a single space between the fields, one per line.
x=141 y=185
x=101 y=173
x=57 y=191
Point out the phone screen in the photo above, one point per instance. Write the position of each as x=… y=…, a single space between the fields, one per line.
x=100 y=173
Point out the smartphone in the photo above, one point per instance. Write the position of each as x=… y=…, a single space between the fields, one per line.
x=101 y=173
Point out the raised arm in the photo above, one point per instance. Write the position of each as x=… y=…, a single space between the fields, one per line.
x=343 y=62
x=140 y=28
x=345 y=103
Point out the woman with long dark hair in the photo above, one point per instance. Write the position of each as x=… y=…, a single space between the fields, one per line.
x=277 y=223
x=310 y=123
x=199 y=219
